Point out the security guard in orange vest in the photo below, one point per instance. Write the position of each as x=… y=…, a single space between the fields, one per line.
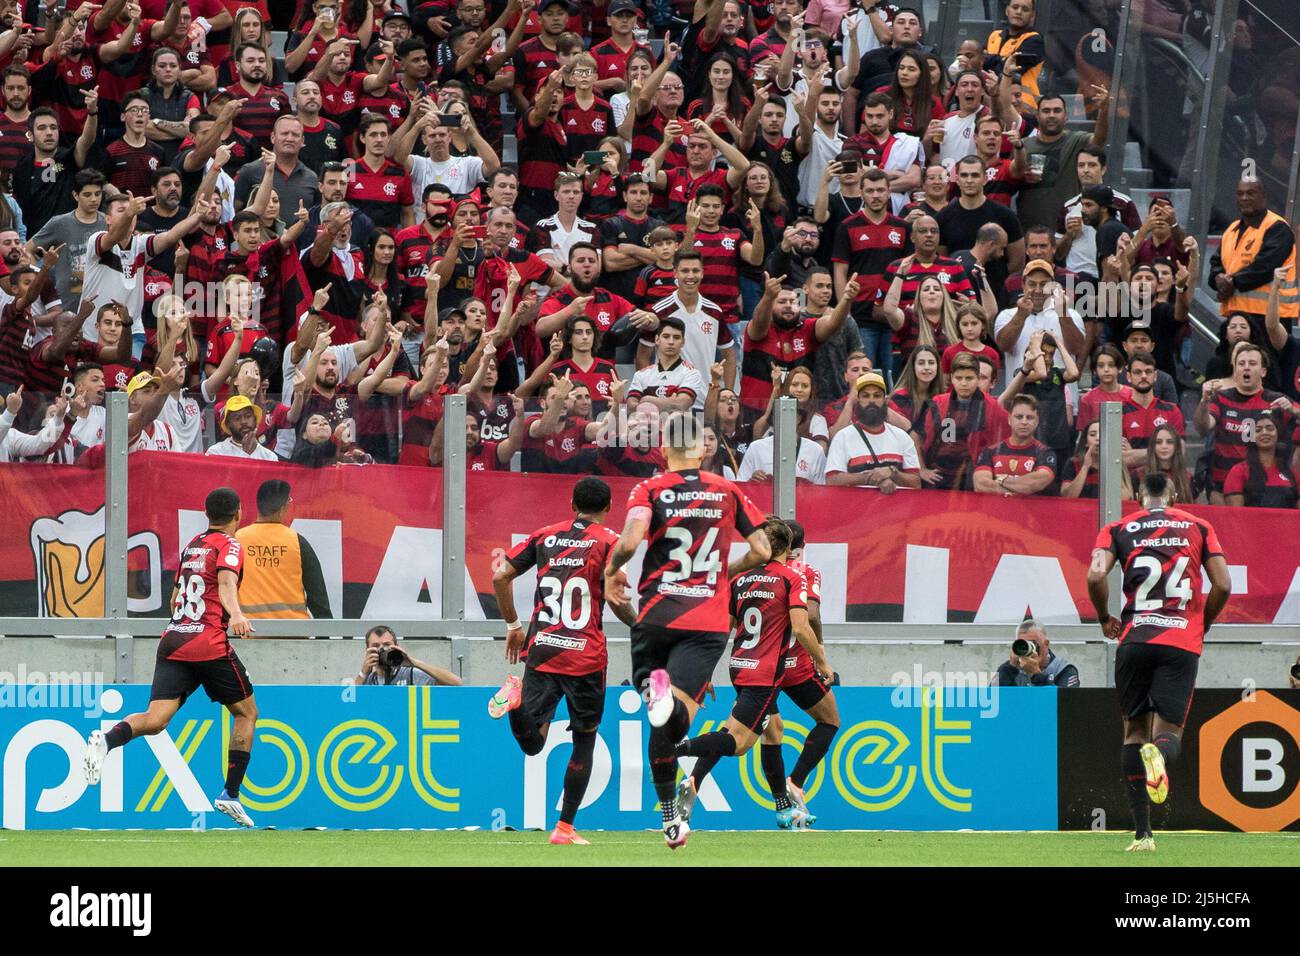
x=1021 y=40
x=282 y=575
x=1253 y=247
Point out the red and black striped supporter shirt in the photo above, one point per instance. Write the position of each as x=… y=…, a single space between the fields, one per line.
x=761 y=601
x=1162 y=552
x=259 y=114
x=692 y=518
x=381 y=193
x=720 y=250
x=565 y=634
x=1006 y=458
x=867 y=248
x=1235 y=416
x=782 y=348
x=654 y=284
x=1140 y=423
x=950 y=272
x=585 y=128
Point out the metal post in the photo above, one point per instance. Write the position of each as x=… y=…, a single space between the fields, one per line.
x=1293 y=186
x=1127 y=57
x=453 y=524
x=115 y=533
x=785 y=452
x=1205 y=165
x=1110 y=497
x=947 y=25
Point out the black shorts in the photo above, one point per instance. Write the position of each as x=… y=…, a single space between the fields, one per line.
x=752 y=706
x=807 y=694
x=224 y=679
x=689 y=656
x=585 y=696
x=1155 y=677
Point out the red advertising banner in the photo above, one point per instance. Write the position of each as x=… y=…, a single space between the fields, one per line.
x=918 y=557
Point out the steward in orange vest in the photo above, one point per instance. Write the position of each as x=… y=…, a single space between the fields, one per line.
x=282 y=575
x=1253 y=247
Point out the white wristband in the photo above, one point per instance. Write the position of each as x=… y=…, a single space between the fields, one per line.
x=514 y=626
x=204 y=24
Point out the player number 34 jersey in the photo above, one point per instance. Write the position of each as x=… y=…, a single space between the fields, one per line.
x=1162 y=553
x=197 y=631
x=693 y=517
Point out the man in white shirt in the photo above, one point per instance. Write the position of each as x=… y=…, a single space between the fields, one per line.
x=809 y=465
x=116 y=259
x=1041 y=307
x=670 y=383
x=871 y=452
x=241 y=419
x=557 y=234
x=954 y=136
x=460 y=174
x=701 y=317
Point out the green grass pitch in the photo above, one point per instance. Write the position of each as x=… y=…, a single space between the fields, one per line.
x=635 y=848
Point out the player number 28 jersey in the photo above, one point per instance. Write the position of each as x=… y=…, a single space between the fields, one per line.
x=565 y=636
x=1162 y=552
x=761 y=601
x=197 y=631
x=693 y=517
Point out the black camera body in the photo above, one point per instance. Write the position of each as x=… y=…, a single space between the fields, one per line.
x=391 y=658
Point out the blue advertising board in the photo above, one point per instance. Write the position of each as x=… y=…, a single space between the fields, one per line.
x=430 y=758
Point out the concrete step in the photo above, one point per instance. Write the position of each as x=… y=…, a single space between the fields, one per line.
x=278 y=40
x=1138 y=178
x=1133 y=155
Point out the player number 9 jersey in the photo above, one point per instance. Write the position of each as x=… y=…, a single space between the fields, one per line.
x=693 y=517
x=1162 y=553
x=761 y=601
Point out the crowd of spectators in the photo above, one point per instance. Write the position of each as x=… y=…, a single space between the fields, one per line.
x=582 y=215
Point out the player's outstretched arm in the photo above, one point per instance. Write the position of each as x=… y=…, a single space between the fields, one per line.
x=1220 y=589
x=1099 y=590
x=760 y=552
x=634 y=530
x=228 y=589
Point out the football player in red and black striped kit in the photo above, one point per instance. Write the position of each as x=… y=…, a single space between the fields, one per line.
x=195 y=652
x=1164 y=553
x=771 y=620
x=687 y=517
x=565 y=649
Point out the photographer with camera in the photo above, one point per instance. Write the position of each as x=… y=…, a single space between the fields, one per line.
x=1294 y=677
x=386 y=664
x=1033 y=663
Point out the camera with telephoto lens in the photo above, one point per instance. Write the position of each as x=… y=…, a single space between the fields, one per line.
x=1023 y=648
x=1295 y=671
x=391 y=657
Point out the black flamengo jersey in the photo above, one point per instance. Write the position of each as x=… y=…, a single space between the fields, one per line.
x=615 y=231
x=565 y=636
x=692 y=516
x=761 y=601
x=1007 y=459
x=1162 y=552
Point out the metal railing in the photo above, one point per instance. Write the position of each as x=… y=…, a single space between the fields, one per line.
x=453 y=626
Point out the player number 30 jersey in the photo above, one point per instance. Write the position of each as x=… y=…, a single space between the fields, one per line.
x=565 y=636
